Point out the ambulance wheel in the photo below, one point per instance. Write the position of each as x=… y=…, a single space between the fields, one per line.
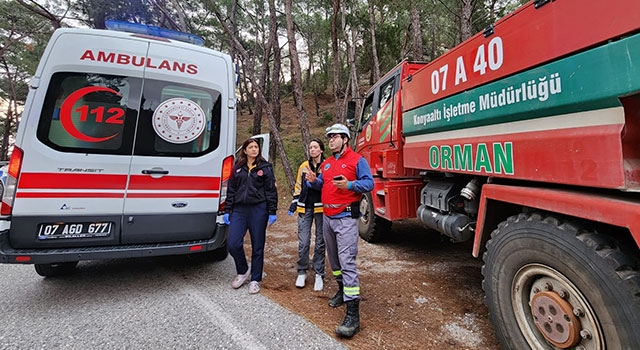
x=550 y=285
x=218 y=254
x=371 y=227
x=56 y=269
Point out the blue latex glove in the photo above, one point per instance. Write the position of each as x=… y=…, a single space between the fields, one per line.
x=225 y=218
x=290 y=213
x=272 y=219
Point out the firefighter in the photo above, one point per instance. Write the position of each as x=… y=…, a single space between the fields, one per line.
x=345 y=176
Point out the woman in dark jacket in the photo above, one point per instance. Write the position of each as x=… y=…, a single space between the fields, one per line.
x=251 y=204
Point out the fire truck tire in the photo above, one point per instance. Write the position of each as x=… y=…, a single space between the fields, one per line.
x=371 y=227
x=56 y=269
x=580 y=288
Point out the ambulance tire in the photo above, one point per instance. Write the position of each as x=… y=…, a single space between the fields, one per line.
x=56 y=269
x=537 y=265
x=371 y=227
x=218 y=254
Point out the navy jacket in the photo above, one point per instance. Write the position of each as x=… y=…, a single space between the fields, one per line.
x=253 y=187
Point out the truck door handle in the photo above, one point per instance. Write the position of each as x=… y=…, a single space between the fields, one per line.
x=155 y=171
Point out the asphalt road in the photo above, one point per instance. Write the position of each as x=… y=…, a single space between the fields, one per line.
x=158 y=303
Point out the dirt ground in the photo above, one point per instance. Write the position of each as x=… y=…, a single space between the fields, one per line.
x=418 y=290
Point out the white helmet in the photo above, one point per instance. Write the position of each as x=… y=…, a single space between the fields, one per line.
x=338 y=129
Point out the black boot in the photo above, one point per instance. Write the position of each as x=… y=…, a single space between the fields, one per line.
x=337 y=299
x=351 y=324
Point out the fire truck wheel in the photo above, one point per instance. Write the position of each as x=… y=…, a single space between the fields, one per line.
x=551 y=285
x=56 y=269
x=371 y=227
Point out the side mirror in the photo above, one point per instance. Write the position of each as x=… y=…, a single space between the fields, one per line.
x=351 y=112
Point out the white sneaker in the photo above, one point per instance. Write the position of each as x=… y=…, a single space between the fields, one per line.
x=319 y=284
x=240 y=279
x=254 y=287
x=300 y=281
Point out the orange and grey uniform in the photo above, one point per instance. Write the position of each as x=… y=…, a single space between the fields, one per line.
x=340 y=229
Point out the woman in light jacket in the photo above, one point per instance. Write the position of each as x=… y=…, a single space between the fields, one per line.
x=306 y=203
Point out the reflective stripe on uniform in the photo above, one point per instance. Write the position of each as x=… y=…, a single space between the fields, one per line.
x=337 y=273
x=351 y=290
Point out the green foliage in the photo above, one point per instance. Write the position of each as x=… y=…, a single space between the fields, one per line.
x=326 y=119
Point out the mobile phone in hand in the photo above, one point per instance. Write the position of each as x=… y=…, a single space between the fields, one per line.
x=337 y=178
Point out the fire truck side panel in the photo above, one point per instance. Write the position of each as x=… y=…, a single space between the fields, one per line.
x=528 y=37
x=576 y=116
x=611 y=210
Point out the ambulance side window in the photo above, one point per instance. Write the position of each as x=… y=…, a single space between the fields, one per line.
x=89 y=113
x=178 y=120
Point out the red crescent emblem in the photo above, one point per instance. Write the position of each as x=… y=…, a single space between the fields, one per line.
x=66 y=109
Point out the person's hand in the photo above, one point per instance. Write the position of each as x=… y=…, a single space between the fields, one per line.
x=272 y=219
x=343 y=183
x=290 y=213
x=310 y=176
x=225 y=218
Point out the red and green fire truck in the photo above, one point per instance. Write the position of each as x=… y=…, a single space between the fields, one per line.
x=526 y=139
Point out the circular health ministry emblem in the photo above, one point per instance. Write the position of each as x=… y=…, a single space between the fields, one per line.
x=178 y=120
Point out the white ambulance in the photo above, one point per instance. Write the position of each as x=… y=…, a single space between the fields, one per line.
x=123 y=150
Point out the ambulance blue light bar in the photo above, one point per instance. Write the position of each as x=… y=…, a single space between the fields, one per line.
x=153 y=31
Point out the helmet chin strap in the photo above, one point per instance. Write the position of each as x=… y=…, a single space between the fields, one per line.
x=341 y=149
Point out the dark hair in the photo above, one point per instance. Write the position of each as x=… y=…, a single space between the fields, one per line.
x=242 y=158
x=319 y=142
x=311 y=164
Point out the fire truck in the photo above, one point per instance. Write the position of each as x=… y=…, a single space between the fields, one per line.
x=525 y=139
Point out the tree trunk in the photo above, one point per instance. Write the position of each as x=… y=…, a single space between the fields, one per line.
x=275 y=79
x=355 y=84
x=374 y=50
x=296 y=74
x=251 y=75
x=465 y=19
x=264 y=81
x=416 y=47
x=11 y=108
x=338 y=117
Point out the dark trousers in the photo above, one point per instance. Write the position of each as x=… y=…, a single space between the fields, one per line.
x=254 y=218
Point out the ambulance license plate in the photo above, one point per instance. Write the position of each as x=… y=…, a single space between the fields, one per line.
x=74 y=230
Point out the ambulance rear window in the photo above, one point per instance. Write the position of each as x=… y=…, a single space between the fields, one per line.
x=89 y=113
x=104 y=114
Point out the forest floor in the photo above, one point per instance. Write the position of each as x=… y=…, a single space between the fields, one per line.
x=418 y=290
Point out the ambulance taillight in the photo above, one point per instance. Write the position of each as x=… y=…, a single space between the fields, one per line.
x=13 y=173
x=227 y=169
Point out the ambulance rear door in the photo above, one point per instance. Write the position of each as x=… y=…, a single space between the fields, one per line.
x=77 y=137
x=186 y=128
